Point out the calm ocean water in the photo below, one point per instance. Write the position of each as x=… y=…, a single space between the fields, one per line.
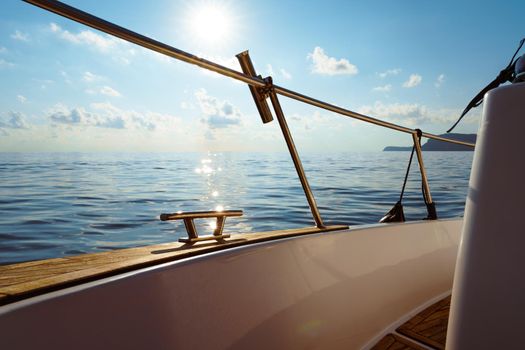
x=58 y=204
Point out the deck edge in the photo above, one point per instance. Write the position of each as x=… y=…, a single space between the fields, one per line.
x=90 y=267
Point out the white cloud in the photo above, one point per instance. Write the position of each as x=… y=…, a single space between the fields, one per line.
x=55 y=28
x=408 y=114
x=413 y=114
x=121 y=59
x=105 y=90
x=325 y=65
x=384 y=88
x=148 y=120
x=12 y=120
x=43 y=83
x=269 y=70
x=18 y=35
x=186 y=105
x=6 y=64
x=440 y=80
x=90 y=77
x=413 y=80
x=15 y=120
x=318 y=121
x=285 y=74
x=88 y=37
x=282 y=72
x=61 y=114
x=21 y=98
x=66 y=77
x=217 y=114
x=105 y=115
x=3 y=49
x=109 y=91
x=388 y=72
x=120 y=50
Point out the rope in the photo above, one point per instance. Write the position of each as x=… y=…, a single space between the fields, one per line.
x=419 y=134
x=406 y=175
x=396 y=214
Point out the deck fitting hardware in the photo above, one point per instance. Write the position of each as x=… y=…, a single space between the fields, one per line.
x=193 y=235
x=259 y=94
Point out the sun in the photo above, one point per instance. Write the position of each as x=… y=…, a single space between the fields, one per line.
x=210 y=22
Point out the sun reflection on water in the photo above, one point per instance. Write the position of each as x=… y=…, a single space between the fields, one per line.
x=213 y=182
x=205 y=168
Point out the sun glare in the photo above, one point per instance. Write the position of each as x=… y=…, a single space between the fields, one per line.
x=210 y=22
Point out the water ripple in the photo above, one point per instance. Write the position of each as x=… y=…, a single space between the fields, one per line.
x=62 y=204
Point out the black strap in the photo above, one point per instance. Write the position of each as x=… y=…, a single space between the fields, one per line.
x=419 y=134
x=396 y=214
x=406 y=175
x=505 y=75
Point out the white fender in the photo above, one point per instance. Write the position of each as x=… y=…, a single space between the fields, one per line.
x=488 y=299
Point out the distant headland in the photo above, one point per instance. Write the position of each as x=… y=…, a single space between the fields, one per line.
x=435 y=145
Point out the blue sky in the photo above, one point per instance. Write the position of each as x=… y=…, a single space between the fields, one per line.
x=65 y=87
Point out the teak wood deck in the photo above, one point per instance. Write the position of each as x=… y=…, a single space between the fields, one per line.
x=429 y=327
x=23 y=280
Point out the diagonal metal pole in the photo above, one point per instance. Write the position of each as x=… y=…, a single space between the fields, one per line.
x=260 y=98
x=296 y=160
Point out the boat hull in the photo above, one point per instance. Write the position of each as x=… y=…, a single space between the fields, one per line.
x=334 y=290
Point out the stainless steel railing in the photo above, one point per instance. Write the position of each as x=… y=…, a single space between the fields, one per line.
x=260 y=88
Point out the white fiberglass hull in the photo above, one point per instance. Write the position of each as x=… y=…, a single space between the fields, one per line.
x=335 y=290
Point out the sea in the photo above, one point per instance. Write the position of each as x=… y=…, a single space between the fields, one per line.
x=61 y=204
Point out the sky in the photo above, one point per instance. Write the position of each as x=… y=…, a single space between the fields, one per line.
x=68 y=88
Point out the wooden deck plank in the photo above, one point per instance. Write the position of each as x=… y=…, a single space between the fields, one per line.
x=36 y=277
x=395 y=342
x=430 y=325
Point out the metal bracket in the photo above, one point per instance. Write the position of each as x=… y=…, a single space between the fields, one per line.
x=259 y=94
x=193 y=235
x=268 y=89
